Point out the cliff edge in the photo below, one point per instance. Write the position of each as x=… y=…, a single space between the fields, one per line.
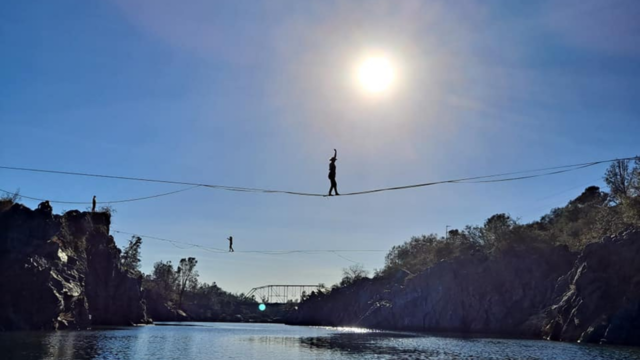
x=63 y=271
x=538 y=292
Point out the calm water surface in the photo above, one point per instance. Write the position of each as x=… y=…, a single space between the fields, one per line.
x=266 y=341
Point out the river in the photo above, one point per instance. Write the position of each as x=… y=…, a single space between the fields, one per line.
x=186 y=341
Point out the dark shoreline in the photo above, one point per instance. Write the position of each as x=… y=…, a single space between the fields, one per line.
x=546 y=293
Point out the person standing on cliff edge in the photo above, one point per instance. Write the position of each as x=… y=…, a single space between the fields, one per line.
x=230 y=244
x=332 y=173
x=93 y=208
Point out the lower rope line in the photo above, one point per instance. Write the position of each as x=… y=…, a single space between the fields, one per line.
x=264 y=252
x=102 y=202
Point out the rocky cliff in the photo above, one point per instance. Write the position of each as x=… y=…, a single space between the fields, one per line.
x=599 y=299
x=62 y=271
x=534 y=292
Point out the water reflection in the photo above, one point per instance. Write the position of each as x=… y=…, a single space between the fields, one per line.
x=261 y=341
x=371 y=345
x=379 y=345
x=71 y=345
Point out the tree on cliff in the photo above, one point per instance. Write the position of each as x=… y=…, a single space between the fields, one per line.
x=498 y=230
x=424 y=251
x=623 y=180
x=636 y=176
x=7 y=199
x=130 y=258
x=352 y=274
x=187 y=277
x=13 y=197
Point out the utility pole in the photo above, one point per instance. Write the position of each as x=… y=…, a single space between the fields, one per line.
x=446 y=232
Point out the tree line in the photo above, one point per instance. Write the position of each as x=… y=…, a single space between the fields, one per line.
x=177 y=288
x=587 y=218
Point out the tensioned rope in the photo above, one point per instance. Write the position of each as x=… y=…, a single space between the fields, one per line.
x=102 y=202
x=266 y=252
x=475 y=179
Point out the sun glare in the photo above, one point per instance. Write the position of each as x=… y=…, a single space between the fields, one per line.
x=376 y=74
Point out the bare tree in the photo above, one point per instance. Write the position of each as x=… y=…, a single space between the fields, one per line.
x=353 y=273
x=636 y=177
x=620 y=178
x=12 y=197
x=187 y=276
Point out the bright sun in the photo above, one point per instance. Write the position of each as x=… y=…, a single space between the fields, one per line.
x=376 y=74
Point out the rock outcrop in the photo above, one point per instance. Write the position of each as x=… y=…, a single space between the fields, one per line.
x=468 y=294
x=536 y=292
x=600 y=297
x=62 y=271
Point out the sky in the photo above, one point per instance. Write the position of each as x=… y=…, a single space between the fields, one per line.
x=258 y=94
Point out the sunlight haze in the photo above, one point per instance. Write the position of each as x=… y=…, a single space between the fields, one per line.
x=376 y=74
x=258 y=94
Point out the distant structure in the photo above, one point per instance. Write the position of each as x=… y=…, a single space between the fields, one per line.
x=281 y=293
x=93 y=208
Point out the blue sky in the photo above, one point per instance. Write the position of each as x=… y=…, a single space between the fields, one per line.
x=258 y=94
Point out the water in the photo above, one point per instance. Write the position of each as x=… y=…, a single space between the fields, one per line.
x=188 y=341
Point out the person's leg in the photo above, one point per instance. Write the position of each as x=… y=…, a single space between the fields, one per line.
x=331 y=188
x=334 y=186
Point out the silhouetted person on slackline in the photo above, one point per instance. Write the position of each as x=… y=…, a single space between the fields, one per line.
x=332 y=172
x=230 y=244
x=93 y=208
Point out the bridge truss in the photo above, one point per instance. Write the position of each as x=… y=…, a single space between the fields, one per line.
x=281 y=293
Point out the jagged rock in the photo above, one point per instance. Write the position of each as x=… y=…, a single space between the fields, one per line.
x=466 y=294
x=535 y=292
x=600 y=296
x=59 y=269
x=161 y=311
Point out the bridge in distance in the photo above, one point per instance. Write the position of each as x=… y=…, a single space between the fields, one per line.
x=281 y=293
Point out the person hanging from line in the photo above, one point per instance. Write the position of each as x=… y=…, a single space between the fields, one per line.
x=332 y=173
x=230 y=238
x=93 y=207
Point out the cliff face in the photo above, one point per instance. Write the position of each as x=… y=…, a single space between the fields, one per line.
x=62 y=271
x=469 y=294
x=599 y=299
x=537 y=292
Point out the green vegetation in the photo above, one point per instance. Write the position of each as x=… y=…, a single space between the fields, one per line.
x=130 y=257
x=179 y=289
x=8 y=199
x=352 y=274
x=168 y=290
x=585 y=219
x=186 y=277
x=588 y=218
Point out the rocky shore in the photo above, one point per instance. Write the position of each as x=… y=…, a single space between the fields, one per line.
x=538 y=292
x=63 y=271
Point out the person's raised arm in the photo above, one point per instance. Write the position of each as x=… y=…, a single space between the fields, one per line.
x=335 y=153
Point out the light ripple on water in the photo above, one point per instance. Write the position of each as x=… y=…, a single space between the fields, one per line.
x=262 y=341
